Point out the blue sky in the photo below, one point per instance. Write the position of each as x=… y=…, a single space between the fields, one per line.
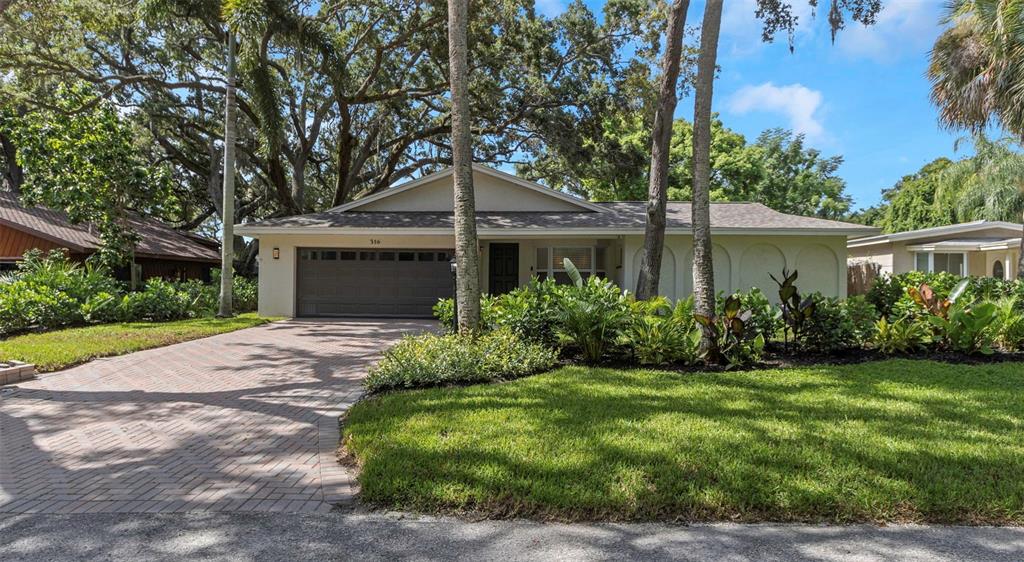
x=865 y=98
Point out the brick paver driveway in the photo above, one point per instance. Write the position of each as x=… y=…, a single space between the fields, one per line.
x=245 y=421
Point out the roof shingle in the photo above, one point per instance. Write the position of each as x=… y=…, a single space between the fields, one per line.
x=157 y=239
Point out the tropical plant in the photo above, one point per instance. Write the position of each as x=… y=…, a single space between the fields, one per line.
x=796 y=310
x=830 y=328
x=765 y=318
x=657 y=334
x=1009 y=324
x=735 y=343
x=965 y=329
x=926 y=298
x=975 y=72
x=591 y=317
x=227 y=244
x=903 y=335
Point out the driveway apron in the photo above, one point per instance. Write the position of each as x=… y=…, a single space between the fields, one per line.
x=244 y=421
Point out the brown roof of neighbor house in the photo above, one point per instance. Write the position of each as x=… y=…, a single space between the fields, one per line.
x=619 y=215
x=157 y=240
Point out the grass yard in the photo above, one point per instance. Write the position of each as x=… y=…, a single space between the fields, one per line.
x=60 y=349
x=896 y=440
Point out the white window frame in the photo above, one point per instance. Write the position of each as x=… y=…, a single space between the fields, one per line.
x=549 y=269
x=931 y=261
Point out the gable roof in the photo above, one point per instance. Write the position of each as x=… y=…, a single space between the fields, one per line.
x=478 y=168
x=956 y=230
x=157 y=239
x=619 y=217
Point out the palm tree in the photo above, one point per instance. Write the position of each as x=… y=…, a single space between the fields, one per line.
x=654 y=236
x=977 y=76
x=703 y=268
x=467 y=253
x=988 y=186
x=227 y=249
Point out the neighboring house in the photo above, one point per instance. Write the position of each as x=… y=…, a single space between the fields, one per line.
x=388 y=254
x=980 y=248
x=161 y=251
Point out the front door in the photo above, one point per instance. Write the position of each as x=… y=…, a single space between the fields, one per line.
x=503 y=265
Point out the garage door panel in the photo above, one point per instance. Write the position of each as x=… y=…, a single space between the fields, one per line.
x=392 y=282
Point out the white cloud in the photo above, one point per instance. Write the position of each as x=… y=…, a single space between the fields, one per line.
x=903 y=27
x=550 y=8
x=797 y=102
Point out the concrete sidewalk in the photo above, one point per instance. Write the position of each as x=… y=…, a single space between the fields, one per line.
x=361 y=536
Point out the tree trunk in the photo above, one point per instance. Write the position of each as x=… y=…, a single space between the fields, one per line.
x=227 y=251
x=657 y=193
x=1020 y=258
x=345 y=139
x=12 y=176
x=299 y=180
x=703 y=268
x=467 y=252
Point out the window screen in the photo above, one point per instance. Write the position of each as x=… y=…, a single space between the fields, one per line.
x=582 y=258
x=921 y=263
x=543 y=263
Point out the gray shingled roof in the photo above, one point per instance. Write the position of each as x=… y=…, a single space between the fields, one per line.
x=618 y=215
x=158 y=240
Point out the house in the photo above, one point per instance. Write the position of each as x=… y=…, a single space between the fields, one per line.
x=388 y=254
x=979 y=248
x=161 y=252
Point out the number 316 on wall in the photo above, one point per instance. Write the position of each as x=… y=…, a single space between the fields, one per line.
x=374 y=242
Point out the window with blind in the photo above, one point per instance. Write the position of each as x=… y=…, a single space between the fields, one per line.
x=590 y=260
x=933 y=262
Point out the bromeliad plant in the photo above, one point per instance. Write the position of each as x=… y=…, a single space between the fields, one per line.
x=796 y=310
x=738 y=343
x=903 y=335
x=658 y=334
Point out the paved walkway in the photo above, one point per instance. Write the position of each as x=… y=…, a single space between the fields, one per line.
x=374 y=536
x=245 y=421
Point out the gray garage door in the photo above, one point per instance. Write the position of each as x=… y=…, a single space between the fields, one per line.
x=344 y=282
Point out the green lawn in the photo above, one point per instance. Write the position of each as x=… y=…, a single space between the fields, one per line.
x=53 y=351
x=886 y=441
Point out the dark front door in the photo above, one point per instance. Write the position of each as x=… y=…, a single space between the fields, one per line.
x=503 y=266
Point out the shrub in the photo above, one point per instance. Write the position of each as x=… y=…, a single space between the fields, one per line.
x=159 y=300
x=863 y=316
x=1009 y=324
x=591 y=316
x=903 y=335
x=796 y=310
x=965 y=329
x=432 y=360
x=737 y=343
x=657 y=334
x=765 y=318
x=829 y=328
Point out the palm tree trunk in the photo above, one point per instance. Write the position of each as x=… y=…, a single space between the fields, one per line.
x=703 y=268
x=657 y=194
x=467 y=252
x=227 y=249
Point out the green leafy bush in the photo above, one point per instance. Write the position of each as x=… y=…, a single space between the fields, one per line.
x=433 y=360
x=658 y=334
x=903 y=335
x=965 y=328
x=591 y=317
x=765 y=318
x=889 y=294
x=738 y=343
x=1009 y=324
x=159 y=301
x=829 y=328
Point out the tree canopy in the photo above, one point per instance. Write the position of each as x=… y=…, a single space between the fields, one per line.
x=777 y=169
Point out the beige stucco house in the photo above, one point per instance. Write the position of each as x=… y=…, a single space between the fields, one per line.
x=980 y=248
x=388 y=254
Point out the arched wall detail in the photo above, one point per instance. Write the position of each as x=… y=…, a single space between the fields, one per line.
x=758 y=262
x=667 y=282
x=818 y=268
